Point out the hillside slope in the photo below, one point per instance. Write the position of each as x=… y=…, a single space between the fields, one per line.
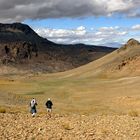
x=122 y=62
x=84 y=87
x=24 y=49
x=96 y=88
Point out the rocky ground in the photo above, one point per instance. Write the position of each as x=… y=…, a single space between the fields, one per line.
x=68 y=127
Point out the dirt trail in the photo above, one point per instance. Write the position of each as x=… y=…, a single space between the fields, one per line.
x=65 y=127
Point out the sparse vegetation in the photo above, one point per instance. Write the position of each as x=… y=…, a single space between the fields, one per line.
x=104 y=131
x=2 y=110
x=67 y=126
x=133 y=113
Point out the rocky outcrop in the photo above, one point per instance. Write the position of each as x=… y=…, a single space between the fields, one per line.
x=16 y=52
x=131 y=43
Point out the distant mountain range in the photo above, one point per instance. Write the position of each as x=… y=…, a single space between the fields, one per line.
x=23 y=48
x=113 y=45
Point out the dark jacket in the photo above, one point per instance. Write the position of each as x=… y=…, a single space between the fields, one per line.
x=33 y=108
x=49 y=104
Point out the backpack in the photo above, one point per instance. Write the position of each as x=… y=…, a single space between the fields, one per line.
x=33 y=103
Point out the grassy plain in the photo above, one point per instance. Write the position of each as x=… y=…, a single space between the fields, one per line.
x=98 y=87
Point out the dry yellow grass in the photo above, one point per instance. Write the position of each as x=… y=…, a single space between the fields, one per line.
x=75 y=95
x=2 y=110
x=67 y=126
x=90 y=89
x=133 y=113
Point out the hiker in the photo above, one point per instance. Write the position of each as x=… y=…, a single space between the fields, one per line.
x=33 y=105
x=49 y=105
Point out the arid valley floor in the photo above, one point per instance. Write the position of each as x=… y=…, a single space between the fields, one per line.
x=100 y=100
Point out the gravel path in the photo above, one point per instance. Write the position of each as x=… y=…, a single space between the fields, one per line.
x=73 y=127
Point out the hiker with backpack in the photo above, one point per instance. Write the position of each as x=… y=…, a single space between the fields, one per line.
x=49 y=105
x=33 y=105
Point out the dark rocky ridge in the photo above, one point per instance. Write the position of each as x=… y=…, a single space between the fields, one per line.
x=23 y=48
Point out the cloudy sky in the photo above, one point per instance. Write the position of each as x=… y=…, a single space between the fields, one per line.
x=107 y=22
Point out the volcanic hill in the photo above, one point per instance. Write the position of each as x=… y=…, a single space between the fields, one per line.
x=22 y=48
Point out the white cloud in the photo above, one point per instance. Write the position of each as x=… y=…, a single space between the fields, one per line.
x=104 y=29
x=61 y=33
x=120 y=5
x=98 y=33
x=82 y=35
x=136 y=27
x=104 y=35
x=81 y=28
x=122 y=33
